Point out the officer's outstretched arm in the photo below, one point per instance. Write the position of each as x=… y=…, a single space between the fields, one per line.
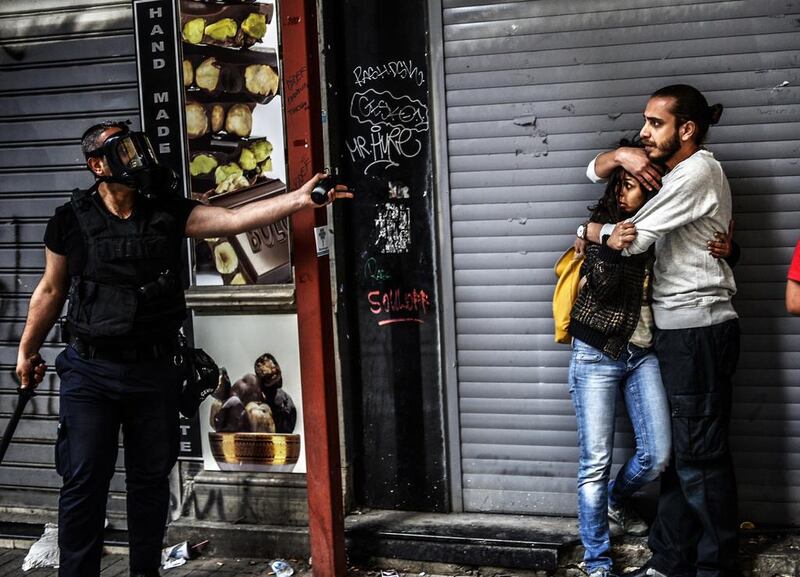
x=45 y=307
x=212 y=221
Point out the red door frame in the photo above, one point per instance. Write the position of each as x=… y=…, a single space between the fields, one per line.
x=301 y=89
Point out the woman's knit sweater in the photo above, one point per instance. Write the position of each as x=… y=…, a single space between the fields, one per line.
x=608 y=306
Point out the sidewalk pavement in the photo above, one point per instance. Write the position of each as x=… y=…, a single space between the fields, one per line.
x=766 y=554
x=116 y=565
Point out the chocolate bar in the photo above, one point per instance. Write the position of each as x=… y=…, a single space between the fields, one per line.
x=246 y=75
x=204 y=118
x=229 y=25
x=212 y=167
x=226 y=261
x=261 y=254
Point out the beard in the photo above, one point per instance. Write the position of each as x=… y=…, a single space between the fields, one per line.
x=662 y=152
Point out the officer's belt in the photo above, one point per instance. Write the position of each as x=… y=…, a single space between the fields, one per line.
x=124 y=353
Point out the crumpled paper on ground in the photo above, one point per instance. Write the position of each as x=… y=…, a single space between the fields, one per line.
x=176 y=555
x=281 y=568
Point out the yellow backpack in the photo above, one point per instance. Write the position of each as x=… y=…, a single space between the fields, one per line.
x=568 y=272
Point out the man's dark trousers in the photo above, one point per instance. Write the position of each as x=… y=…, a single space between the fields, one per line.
x=97 y=398
x=695 y=532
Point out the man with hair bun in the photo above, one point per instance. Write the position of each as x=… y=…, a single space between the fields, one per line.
x=697 y=336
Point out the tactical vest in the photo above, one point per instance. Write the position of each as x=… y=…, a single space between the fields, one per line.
x=129 y=290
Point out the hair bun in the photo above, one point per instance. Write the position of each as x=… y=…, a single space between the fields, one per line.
x=714 y=113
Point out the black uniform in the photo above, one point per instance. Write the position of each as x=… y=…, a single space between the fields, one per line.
x=126 y=306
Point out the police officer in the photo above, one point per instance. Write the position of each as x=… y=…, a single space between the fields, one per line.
x=114 y=252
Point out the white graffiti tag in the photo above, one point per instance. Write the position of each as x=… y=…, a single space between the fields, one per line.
x=397 y=124
x=404 y=69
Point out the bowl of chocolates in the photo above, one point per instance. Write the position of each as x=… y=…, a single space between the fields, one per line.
x=253 y=421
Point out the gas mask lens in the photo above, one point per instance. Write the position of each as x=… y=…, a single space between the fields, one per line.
x=129 y=154
x=132 y=161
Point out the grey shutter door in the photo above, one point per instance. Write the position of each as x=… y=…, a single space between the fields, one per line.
x=533 y=91
x=64 y=65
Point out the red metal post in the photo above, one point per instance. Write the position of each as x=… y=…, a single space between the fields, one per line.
x=301 y=93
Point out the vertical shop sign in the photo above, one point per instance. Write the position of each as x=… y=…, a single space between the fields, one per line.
x=190 y=443
x=160 y=87
x=161 y=107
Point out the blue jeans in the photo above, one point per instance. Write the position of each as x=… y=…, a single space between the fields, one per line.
x=594 y=380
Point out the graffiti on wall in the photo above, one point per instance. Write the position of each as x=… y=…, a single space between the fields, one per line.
x=396 y=124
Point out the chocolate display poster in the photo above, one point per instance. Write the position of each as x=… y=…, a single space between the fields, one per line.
x=254 y=420
x=235 y=129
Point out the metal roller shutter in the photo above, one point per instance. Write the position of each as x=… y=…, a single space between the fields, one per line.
x=533 y=90
x=64 y=64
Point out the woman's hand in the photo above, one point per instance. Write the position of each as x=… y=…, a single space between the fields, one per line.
x=721 y=245
x=622 y=237
x=580 y=246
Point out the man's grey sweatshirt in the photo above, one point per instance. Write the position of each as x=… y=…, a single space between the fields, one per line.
x=691 y=288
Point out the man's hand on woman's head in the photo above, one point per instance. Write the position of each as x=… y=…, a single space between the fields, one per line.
x=635 y=161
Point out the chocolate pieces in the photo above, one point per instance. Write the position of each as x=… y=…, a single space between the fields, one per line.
x=235 y=118
x=228 y=25
x=263 y=253
x=211 y=168
x=246 y=75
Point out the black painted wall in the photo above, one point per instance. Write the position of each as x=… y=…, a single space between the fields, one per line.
x=376 y=62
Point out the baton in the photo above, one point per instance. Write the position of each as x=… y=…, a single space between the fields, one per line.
x=25 y=395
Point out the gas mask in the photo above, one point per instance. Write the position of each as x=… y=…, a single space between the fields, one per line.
x=133 y=162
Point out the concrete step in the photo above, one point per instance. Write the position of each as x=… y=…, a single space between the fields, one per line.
x=242 y=539
x=512 y=541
